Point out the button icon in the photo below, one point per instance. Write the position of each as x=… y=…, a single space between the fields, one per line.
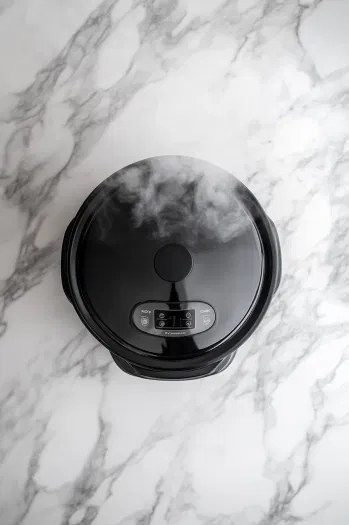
x=162 y=323
x=207 y=319
x=188 y=323
x=188 y=315
x=144 y=320
x=161 y=316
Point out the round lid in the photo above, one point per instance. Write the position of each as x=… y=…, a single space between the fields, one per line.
x=176 y=233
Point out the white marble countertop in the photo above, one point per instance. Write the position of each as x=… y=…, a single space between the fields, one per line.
x=260 y=88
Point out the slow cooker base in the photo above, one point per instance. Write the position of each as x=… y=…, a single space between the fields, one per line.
x=173 y=375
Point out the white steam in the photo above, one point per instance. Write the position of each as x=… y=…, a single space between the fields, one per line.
x=181 y=195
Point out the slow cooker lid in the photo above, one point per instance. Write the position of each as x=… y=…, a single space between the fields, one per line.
x=173 y=231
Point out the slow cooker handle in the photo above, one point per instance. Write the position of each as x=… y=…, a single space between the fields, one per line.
x=278 y=256
x=64 y=261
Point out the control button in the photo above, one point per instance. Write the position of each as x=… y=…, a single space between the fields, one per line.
x=144 y=320
x=207 y=319
x=188 y=315
x=161 y=316
x=188 y=323
x=162 y=323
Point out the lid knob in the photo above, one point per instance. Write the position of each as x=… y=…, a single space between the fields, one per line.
x=173 y=262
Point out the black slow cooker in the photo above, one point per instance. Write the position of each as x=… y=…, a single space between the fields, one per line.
x=171 y=264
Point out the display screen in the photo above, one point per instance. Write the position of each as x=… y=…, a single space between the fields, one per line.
x=174 y=319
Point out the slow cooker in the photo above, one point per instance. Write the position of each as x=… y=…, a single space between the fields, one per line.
x=171 y=263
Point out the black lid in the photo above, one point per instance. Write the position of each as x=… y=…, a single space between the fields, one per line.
x=168 y=229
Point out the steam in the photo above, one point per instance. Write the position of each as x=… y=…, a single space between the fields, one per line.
x=180 y=196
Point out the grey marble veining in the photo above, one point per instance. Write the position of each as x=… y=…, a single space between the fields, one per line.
x=260 y=88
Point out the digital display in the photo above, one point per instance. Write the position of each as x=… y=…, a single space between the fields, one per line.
x=174 y=319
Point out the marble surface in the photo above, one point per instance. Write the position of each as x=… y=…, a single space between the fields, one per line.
x=260 y=88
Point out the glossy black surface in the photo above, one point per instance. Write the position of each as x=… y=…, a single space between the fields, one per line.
x=116 y=268
x=109 y=252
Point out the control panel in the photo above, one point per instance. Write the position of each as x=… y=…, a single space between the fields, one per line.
x=174 y=319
